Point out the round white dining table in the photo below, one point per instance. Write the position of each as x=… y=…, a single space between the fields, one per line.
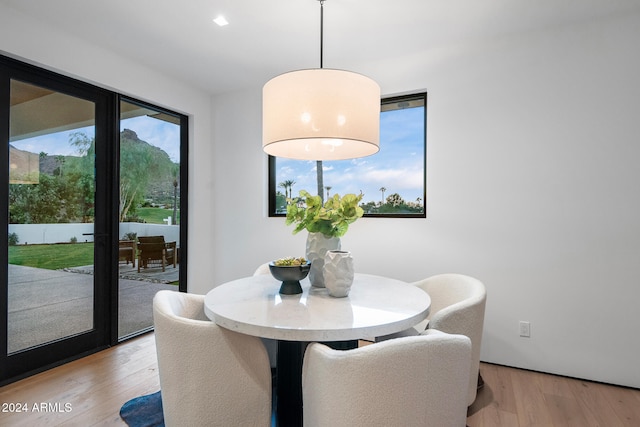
x=252 y=305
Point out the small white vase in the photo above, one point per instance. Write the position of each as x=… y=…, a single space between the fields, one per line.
x=338 y=273
x=317 y=246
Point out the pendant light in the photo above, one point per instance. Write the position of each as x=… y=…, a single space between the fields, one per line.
x=320 y=113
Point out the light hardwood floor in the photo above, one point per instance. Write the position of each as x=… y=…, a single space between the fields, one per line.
x=516 y=397
x=95 y=387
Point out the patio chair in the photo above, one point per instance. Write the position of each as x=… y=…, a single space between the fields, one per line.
x=127 y=251
x=154 y=250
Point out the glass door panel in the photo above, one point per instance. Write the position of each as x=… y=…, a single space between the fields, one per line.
x=149 y=211
x=51 y=216
x=78 y=189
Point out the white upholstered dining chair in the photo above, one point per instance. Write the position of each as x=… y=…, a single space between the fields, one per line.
x=457 y=307
x=262 y=269
x=208 y=375
x=410 y=381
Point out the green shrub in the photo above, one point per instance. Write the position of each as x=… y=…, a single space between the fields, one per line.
x=130 y=236
x=13 y=239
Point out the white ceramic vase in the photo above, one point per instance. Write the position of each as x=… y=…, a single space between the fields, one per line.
x=317 y=246
x=338 y=273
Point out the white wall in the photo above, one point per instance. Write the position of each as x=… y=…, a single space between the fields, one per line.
x=52 y=49
x=51 y=233
x=63 y=233
x=532 y=187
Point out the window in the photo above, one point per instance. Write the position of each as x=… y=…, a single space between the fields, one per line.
x=393 y=181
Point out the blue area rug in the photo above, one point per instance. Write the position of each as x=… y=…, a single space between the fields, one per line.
x=143 y=411
x=146 y=411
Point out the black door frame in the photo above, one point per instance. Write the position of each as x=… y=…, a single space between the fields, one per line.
x=106 y=224
x=41 y=357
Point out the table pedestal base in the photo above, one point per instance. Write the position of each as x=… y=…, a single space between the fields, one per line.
x=289 y=379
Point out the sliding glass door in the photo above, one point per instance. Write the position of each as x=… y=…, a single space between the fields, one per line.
x=89 y=175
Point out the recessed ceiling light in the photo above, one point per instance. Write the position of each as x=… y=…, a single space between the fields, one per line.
x=221 y=21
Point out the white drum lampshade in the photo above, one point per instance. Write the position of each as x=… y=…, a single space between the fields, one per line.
x=321 y=114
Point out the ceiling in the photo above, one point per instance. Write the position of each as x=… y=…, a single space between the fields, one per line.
x=266 y=38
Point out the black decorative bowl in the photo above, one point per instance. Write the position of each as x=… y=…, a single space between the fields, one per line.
x=290 y=275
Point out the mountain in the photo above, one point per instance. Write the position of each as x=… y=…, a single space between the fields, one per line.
x=159 y=171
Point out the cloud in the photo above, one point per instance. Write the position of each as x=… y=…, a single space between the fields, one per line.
x=286 y=171
x=396 y=179
x=359 y=162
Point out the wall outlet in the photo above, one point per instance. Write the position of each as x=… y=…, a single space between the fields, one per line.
x=525 y=329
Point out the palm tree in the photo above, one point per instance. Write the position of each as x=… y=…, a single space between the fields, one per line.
x=287 y=185
x=383 y=190
x=284 y=185
x=328 y=188
x=290 y=183
x=319 y=179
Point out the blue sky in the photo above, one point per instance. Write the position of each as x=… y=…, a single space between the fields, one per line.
x=53 y=144
x=398 y=166
x=156 y=132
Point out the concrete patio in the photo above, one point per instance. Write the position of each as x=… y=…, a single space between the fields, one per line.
x=46 y=305
x=152 y=274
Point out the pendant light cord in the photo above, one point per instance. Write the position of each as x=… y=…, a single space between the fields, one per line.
x=321 y=31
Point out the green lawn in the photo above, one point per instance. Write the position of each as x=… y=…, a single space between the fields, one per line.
x=52 y=257
x=155 y=215
x=61 y=255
